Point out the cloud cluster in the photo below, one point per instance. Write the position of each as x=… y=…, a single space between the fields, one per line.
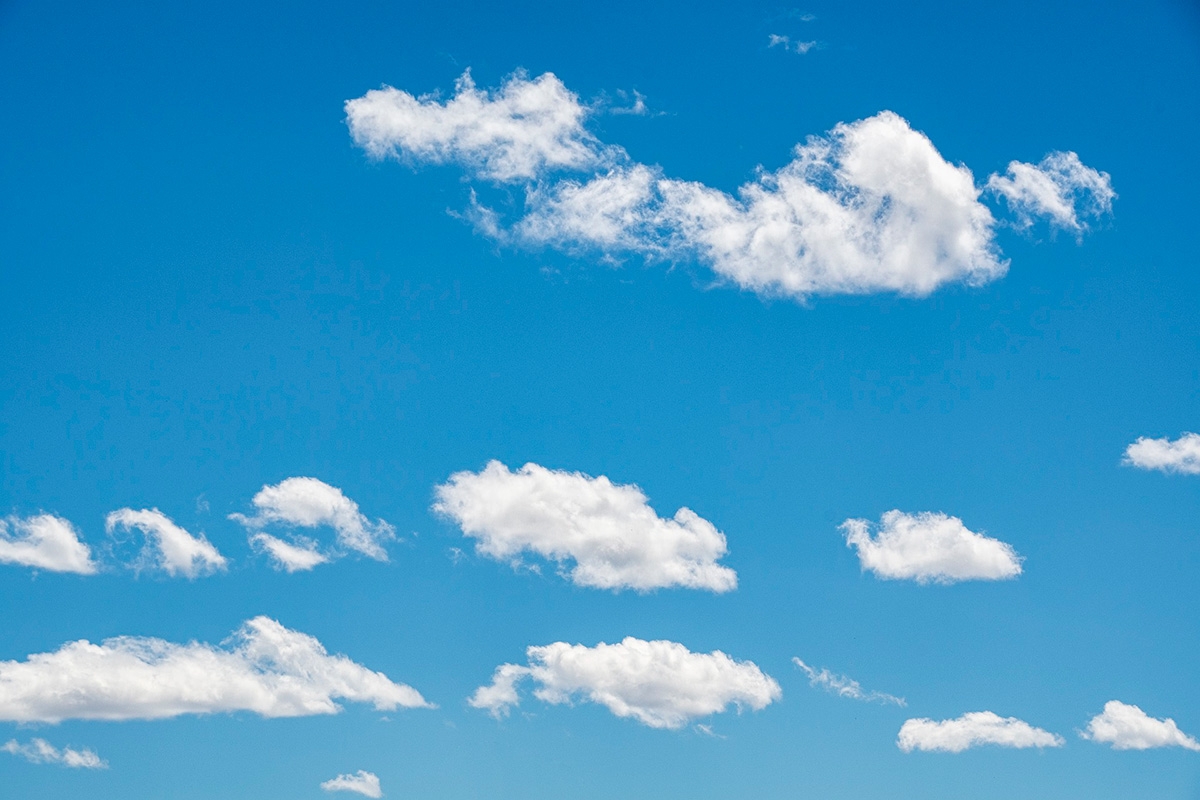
x=1060 y=188
x=972 y=730
x=44 y=542
x=786 y=42
x=1127 y=727
x=39 y=751
x=609 y=532
x=661 y=684
x=844 y=686
x=929 y=547
x=1181 y=455
x=361 y=782
x=265 y=668
x=168 y=546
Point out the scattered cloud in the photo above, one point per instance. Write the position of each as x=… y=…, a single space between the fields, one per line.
x=1059 y=188
x=843 y=685
x=1127 y=727
x=264 y=668
x=168 y=546
x=972 y=730
x=362 y=782
x=609 y=531
x=39 y=751
x=1181 y=456
x=930 y=547
x=299 y=555
x=786 y=42
x=637 y=108
x=659 y=683
x=44 y=542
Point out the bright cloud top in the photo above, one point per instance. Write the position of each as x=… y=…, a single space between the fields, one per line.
x=44 y=542
x=972 y=730
x=310 y=503
x=609 y=531
x=1181 y=455
x=264 y=668
x=843 y=685
x=168 y=546
x=930 y=547
x=39 y=751
x=1127 y=727
x=361 y=782
x=661 y=684
x=1059 y=188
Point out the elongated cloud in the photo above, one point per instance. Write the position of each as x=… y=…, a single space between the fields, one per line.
x=1181 y=455
x=265 y=668
x=299 y=555
x=1059 y=188
x=661 y=684
x=168 y=546
x=930 y=547
x=44 y=542
x=39 y=751
x=1127 y=727
x=843 y=685
x=361 y=782
x=972 y=730
x=609 y=531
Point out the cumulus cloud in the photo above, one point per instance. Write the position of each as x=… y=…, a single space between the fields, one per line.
x=843 y=685
x=39 y=751
x=168 y=546
x=310 y=503
x=362 y=782
x=1060 y=188
x=658 y=683
x=44 y=542
x=972 y=730
x=930 y=547
x=609 y=531
x=1127 y=727
x=264 y=668
x=1181 y=456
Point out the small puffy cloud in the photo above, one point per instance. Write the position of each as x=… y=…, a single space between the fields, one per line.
x=44 y=542
x=1060 y=188
x=168 y=546
x=264 y=668
x=972 y=730
x=843 y=685
x=1181 y=456
x=1127 y=727
x=39 y=751
x=659 y=683
x=310 y=503
x=930 y=547
x=609 y=531
x=362 y=782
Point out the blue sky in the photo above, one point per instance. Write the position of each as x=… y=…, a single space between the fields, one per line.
x=207 y=288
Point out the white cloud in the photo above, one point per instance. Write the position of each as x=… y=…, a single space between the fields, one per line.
x=39 y=751
x=1060 y=188
x=168 y=546
x=1181 y=455
x=659 y=683
x=45 y=542
x=930 y=547
x=843 y=685
x=362 y=782
x=775 y=40
x=972 y=730
x=264 y=668
x=1127 y=727
x=609 y=531
x=310 y=503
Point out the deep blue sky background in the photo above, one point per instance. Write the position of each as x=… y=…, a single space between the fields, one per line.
x=204 y=287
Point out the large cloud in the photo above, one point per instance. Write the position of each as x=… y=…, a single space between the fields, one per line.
x=609 y=531
x=1127 y=727
x=265 y=668
x=44 y=542
x=1181 y=455
x=39 y=751
x=168 y=546
x=361 y=782
x=661 y=684
x=843 y=685
x=972 y=730
x=930 y=547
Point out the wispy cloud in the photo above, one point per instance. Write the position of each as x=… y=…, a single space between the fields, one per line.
x=39 y=751
x=844 y=686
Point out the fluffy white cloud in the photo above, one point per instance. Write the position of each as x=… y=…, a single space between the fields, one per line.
x=1181 y=455
x=659 y=683
x=1127 y=727
x=168 y=546
x=1060 y=188
x=362 y=782
x=39 y=751
x=930 y=547
x=972 y=730
x=843 y=685
x=264 y=668
x=44 y=542
x=310 y=503
x=609 y=531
